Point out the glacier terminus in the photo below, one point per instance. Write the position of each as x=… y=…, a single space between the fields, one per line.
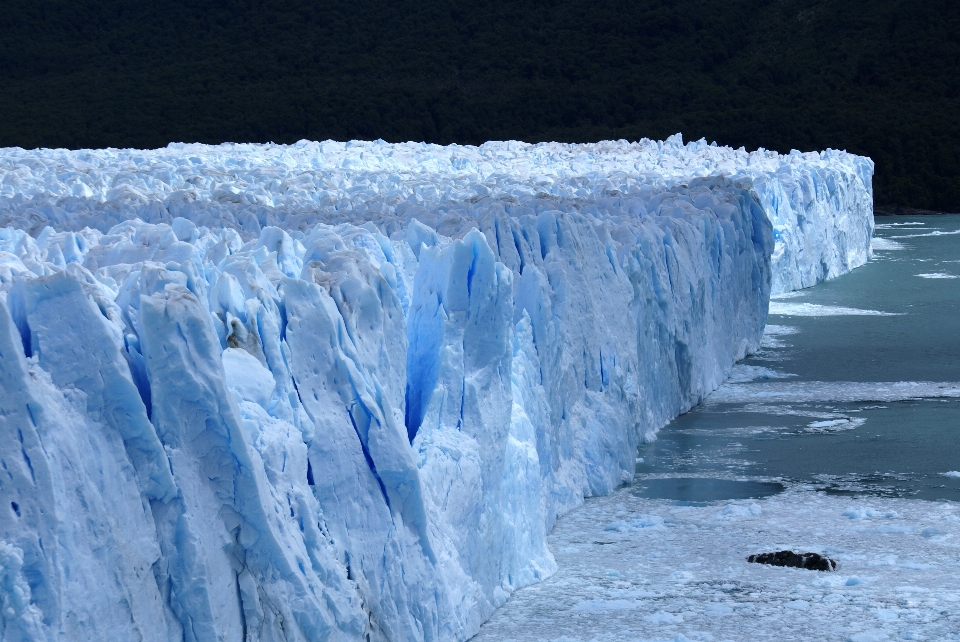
x=343 y=391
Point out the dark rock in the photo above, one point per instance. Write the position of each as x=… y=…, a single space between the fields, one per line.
x=809 y=561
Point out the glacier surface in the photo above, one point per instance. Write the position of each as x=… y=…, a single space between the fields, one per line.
x=344 y=390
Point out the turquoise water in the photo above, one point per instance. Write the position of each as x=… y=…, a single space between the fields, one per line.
x=815 y=408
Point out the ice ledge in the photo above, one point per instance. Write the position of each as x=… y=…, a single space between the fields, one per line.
x=820 y=203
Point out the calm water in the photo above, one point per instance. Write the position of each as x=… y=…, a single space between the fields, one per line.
x=817 y=407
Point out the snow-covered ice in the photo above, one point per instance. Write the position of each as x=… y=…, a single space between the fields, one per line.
x=344 y=390
x=819 y=203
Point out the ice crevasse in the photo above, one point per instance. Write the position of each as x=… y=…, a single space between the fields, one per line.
x=342 y=391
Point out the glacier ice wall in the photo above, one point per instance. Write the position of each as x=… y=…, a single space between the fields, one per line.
x=343 y=390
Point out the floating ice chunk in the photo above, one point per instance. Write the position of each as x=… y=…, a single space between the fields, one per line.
x=662 y=617
x=738 y=511
x=836 y=391
x=638 y=523
x=601 y=606
x=893 y=226
x=937 y=275
x=718 y=610
x=815 y=310
x=873 y=635
x=774 y=330
x=783 y=296
x=951 y=473
x=798 y=605
x=743 y=373
x=870 y=513
x=892 y=529
x=835 y=425
x=915 y=566
x=878 y=244
x=835 y=581
x=933 y=233
x=772 y=333
x=883 y=560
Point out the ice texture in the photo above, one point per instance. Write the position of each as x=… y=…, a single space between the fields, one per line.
x=819 y=203
x=688 y=578
x=342 y=391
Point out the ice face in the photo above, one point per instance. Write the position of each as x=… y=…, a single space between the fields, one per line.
x=344 y=390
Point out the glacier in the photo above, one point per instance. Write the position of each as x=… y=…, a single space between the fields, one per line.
x=342 y=391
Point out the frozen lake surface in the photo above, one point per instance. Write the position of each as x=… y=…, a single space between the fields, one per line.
x=841 y=436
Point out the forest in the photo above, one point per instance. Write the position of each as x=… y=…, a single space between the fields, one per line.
x=879 y=77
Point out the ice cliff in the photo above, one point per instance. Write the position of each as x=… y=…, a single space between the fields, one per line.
x=343 y=390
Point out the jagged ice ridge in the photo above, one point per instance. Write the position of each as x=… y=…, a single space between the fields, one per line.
x=343 y=390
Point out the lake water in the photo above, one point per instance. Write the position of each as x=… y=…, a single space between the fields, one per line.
x=816 y=405
x=841 y=436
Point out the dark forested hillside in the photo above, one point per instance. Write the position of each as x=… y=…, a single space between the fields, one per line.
x=879 y=77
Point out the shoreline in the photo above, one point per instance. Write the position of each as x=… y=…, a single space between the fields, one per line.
x=899 y=210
